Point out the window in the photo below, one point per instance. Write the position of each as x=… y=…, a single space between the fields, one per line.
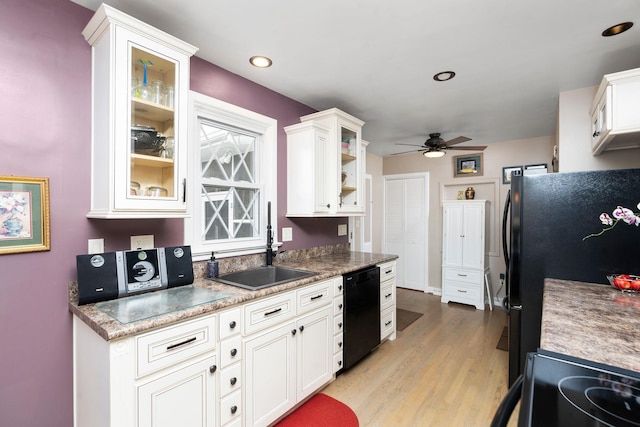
x=232 y=175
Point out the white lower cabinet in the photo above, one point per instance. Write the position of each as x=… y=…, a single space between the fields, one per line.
x=230 y=369
x=289 y=361
x=387 y=301
x=183 y=398
x=166 y=377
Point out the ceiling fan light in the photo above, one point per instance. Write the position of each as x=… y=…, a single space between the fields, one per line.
x=617 y=29
x=432 y=154
x=260 y=61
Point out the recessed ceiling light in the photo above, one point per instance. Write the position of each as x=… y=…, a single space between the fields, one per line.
x=260 y=61
x=617 y=29
x=444 y=76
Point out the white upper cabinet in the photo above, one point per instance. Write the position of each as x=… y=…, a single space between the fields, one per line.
x=615 y=117
x=325 y=165
x=140 y=78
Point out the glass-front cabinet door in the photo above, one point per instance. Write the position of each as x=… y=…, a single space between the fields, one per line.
x=350 y=181
x=139 y=143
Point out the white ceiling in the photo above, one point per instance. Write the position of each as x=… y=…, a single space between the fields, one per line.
x=375 y=59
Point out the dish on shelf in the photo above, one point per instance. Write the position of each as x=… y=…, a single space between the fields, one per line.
x=624 y=282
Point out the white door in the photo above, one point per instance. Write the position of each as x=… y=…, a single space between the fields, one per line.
x=406 y=217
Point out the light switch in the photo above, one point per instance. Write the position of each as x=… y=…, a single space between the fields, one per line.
x=142 y=242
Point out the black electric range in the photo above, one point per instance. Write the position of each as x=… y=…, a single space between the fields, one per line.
x=560 y=390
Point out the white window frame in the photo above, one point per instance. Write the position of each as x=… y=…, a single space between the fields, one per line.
x=202 y=106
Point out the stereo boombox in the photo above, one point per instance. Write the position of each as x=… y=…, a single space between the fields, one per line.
x=112 y=275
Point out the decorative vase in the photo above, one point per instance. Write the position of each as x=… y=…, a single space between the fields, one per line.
x=13 y=227
x=470 y=193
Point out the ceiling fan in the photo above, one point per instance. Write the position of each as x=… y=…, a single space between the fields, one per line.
x=435 y=146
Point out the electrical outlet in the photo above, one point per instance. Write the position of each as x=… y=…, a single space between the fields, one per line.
x=142 y=242
x=342 y=229
x=96 y=246
x=287 y=234
x=501 y=276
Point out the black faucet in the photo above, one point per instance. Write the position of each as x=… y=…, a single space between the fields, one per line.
x=270 y=252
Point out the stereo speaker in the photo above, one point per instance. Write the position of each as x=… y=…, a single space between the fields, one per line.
x=97 y=277
x=179 y=266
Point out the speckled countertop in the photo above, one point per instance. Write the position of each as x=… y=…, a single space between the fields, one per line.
x=326 y=265
x=591 y=321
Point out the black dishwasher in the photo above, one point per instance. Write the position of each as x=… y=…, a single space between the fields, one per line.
x=361 y=314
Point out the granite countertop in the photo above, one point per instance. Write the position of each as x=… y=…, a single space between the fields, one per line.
x=591 y=321
x=326 y=266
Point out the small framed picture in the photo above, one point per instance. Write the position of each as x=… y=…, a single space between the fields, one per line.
x=467 y=165
x=24 y=214
x=508 y=171
x=535 y=169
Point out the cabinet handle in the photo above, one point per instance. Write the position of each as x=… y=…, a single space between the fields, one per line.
x=462 y=292
x=387 y=295
x=316 y=297
x=233 y=381
x=387 y=323
x=273 y=312
x=596 y=133
x=212 y=368
x=293 y=332
x=234 y=352
x=462 y=275
x=234 y=409
x=340 y=196
x=301 y=328
x=184 y=190
x=185 y=342
x=388 y=272
x=232 y=324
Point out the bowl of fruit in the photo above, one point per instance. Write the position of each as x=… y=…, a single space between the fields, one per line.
x=625 y=282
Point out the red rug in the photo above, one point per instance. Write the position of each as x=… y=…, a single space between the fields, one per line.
x=321 y=411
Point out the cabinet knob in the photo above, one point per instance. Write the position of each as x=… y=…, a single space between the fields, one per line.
x=233 y=381
x=293 y=332
x=340 y=325
x=340 y=344
x=301 y=328
x=340 y=287
x=339 y=362
x=328 y=205
x=234 y=352
x=232 y=324
x=234 y=409
x=340 y=306
x=596 y=133
x=212 y=368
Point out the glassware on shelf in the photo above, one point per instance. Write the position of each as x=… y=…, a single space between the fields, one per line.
x=144 y=91
x=157 y=91
x=169 y=96
x=169 y=146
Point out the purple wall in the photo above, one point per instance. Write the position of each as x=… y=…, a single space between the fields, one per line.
x=45 y=126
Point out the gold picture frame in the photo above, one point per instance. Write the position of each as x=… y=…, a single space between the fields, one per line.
x=468 y=165
x=24 y=214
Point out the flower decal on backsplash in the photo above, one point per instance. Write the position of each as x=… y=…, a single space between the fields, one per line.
x=619 y=214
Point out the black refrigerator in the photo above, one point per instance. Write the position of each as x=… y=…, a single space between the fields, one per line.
x=546 y=222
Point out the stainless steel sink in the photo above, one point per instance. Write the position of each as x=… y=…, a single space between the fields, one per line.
x=263 y=277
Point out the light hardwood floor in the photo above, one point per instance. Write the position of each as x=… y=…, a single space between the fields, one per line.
x=442 y=370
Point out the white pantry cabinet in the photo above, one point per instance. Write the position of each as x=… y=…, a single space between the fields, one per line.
x=325 y=165
x=287 y=362
x=615 y=121
x=464 y=252
x=140 y=78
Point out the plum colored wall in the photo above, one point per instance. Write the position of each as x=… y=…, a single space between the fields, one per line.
x=45 y=128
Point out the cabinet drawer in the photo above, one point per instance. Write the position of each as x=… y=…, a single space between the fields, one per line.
x=462 y=291
x=338 y=325
x=314 y=296
x=268 y=312
x=387 y=271
x=467 y=276
x=387 y=294
x=338 y=305
x=337 y=343
x=230 y=322
x=230 y=351
x=230 y=407
x=338 y=286
x=174 y=344
x=337 y=362
x=230 y=379
x=387 y=322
